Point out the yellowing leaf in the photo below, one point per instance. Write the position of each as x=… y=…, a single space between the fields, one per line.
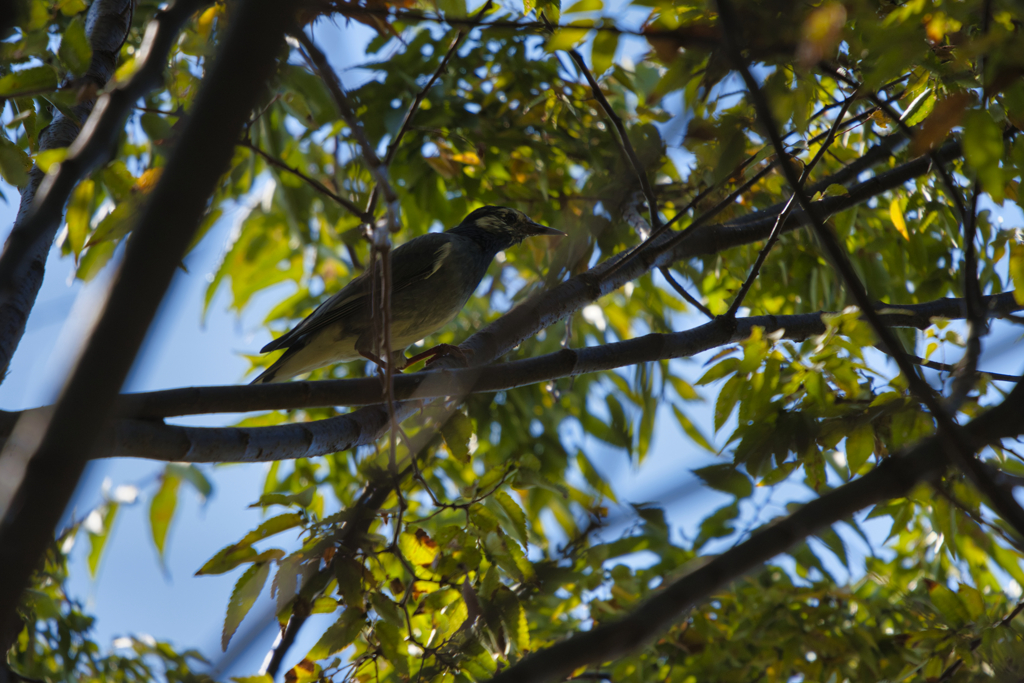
x=418 y=548
x=896 y=214
x=148 y=180
x=79 y=212
x=47 y=158
x=466 y=158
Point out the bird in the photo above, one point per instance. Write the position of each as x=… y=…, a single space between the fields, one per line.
x=432 y=278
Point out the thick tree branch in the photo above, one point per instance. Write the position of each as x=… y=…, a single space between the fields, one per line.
x=146 y=438
x=42 y=200
x=54 y=452
x=894 y=478
x=1002 y=500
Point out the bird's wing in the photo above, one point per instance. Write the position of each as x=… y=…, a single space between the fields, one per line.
x=407 y=267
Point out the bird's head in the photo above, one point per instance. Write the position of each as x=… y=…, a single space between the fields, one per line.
x=503 y=227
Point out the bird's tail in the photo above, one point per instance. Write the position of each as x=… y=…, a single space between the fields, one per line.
x=275 y=372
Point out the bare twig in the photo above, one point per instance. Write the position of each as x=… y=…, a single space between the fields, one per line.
x=315 y=184
x=946 y=367
x=377 y=168
x=623 y=137
x=977 y=324
x=1002 y=500
x=681 y=291
x=784 y=214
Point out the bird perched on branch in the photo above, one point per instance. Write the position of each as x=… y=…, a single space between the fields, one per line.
x=432 y=278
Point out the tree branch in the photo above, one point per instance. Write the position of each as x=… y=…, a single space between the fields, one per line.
x=1002 y=500
x=893 y=478
x=315 y=184
x=54 y=452
x=42 y=201
x=141 y=436
x=624 y=143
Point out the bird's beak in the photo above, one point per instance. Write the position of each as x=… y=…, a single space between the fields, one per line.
x=533 y=229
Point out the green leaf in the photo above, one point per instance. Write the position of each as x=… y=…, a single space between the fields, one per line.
x=515 y=515
x=565 y=39
x=247 y=589
x=726 y=478
x=1017 y=271
x=302 y=499
x=593 y=477
x=235 y=554
x=386 y=609
x=457 y=433
x=691 y=430
x=983 y=148
x=75 y=51
x=98 y=525
x=79 y=214
x=28 y=81
x=161 y=508
x=14 y=163
x=602 y=52
x=339 y=635
x=948 y=604
x=194 y=476
x=860 y=444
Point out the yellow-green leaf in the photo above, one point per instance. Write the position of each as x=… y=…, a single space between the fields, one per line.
x=896 y=214
x=242 y=599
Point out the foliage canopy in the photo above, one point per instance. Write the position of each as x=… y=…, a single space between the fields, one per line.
x=485 y=540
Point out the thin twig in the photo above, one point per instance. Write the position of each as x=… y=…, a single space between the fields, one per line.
x=784 y=214
x=624 y=143
x=315 y=184
x=681 y=291
x=977 y=325
x=959 y=450
x=947 y=367
x=377 y=168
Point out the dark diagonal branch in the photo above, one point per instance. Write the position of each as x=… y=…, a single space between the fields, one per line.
x=39 y=217
x=315 y=184
x=1001 y=499
x=623 y=137
x=977 y=324
x=784 y=214
x=377 y=168
x=23 y=261
x=681 y=291
x=55 y=451
x=894 y=478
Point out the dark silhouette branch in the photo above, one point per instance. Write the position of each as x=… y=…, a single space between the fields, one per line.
x=39 y=217
x=315 y=184
x=624 y=144
x=893 y=478
x=56 y=449
x=148 y=438
x=1001 y=499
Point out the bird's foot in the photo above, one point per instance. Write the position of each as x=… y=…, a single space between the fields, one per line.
x=396 y=361
x=440 y=351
